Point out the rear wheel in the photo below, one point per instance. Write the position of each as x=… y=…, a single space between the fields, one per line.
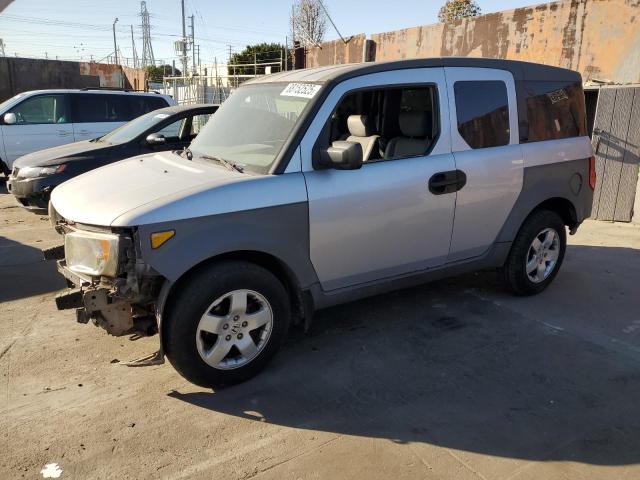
x=536 y=253
x=226 y=323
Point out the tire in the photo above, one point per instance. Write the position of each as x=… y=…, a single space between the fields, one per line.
x=189 y=337
x=526 y=272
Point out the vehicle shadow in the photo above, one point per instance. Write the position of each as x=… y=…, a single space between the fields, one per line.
x=24 y=272
x=443 y=365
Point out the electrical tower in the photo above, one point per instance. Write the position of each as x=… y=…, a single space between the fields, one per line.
x=147 y=48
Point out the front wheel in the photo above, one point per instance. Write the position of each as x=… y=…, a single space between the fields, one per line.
x=226 y=323
x=536 y=253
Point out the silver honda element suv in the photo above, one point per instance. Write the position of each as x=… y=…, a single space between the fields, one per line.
x=316 y=187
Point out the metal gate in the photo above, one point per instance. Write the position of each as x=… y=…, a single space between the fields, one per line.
x=616 y=143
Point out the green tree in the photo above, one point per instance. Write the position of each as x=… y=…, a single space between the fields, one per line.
x=260 y=53
x=457 y=9
x=156 y=72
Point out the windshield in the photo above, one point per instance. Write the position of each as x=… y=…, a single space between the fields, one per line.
x=134 y=128
x=9 y=103
x=250 y=127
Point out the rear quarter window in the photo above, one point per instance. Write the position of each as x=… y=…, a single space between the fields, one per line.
x=555 y=110
x=96 y=108
x=482 y=111
x=141 y=104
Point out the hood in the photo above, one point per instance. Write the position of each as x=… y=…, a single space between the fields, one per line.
x=100 y=196
x=62 y=154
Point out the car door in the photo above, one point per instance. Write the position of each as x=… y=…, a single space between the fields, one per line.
x=485 y=145
x=382 y=220
x=96 y=114
x=42 y=122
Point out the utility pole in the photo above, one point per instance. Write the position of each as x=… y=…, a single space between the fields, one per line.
x=115 y=46
x=234 y=67
x=193 y=45
x=133 y=49
x=184 y=42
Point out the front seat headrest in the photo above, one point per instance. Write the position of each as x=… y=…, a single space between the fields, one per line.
x=415 y=124
x=359 y=125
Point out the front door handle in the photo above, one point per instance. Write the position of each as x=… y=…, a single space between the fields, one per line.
x=447 y=182
x=63 y=133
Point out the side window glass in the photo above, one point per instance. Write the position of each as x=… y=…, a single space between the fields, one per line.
x=89 y=108
x=555 y=110
x=197 y=122
x=389 y=123
x=482 y=113
x=141 y=104
x=172 y=131
x=97 y=108
x=117 y=108
x=42 y=109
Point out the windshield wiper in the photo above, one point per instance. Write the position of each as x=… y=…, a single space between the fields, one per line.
x=226 y=163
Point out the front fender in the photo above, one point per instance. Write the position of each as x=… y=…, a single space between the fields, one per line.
x=280 y=231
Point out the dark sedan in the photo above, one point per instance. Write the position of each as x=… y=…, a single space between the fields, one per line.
x=35 y=175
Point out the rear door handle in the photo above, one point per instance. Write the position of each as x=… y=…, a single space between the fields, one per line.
x=447 y=182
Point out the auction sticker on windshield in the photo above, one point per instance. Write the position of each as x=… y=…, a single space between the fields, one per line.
x=306 y=90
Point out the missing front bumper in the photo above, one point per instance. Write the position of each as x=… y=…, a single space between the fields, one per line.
x=97 y=303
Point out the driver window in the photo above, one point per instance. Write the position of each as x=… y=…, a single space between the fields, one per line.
x=42 y=109
x=172 y=131
x=389 y=123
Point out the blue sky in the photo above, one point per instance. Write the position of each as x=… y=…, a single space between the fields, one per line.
x=79 y=29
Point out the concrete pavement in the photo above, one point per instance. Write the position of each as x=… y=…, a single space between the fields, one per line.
x=455 y=379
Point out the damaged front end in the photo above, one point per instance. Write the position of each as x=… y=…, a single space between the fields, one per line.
x=108 y=284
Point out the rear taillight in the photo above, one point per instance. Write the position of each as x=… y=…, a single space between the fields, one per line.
x=592 y=173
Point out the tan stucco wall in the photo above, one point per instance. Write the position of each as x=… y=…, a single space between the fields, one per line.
x=599 y=38
x=337 y=52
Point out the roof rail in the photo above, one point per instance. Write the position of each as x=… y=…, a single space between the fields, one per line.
x=105 y=88
x=117 y=89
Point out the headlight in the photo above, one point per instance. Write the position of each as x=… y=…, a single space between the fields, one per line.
x=91 y=253
x=35 y=172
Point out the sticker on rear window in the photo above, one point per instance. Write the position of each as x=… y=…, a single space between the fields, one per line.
x=305 y=90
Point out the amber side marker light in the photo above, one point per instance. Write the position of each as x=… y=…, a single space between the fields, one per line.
x=592 y=173
x=160 y=238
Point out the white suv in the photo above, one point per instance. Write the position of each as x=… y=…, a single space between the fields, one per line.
x=40 y=119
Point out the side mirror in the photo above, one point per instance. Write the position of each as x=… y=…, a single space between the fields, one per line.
x=10 y=118
x=156 y=139
x=342 y=156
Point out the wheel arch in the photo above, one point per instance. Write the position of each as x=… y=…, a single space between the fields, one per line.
x=301 y=307
x=563 y=207
x=521 y=212
x=4 y=168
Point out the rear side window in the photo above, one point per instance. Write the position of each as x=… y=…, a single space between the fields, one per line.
x=95 y=108
x=141 y=104
x=482 y=113
x=555 y=110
